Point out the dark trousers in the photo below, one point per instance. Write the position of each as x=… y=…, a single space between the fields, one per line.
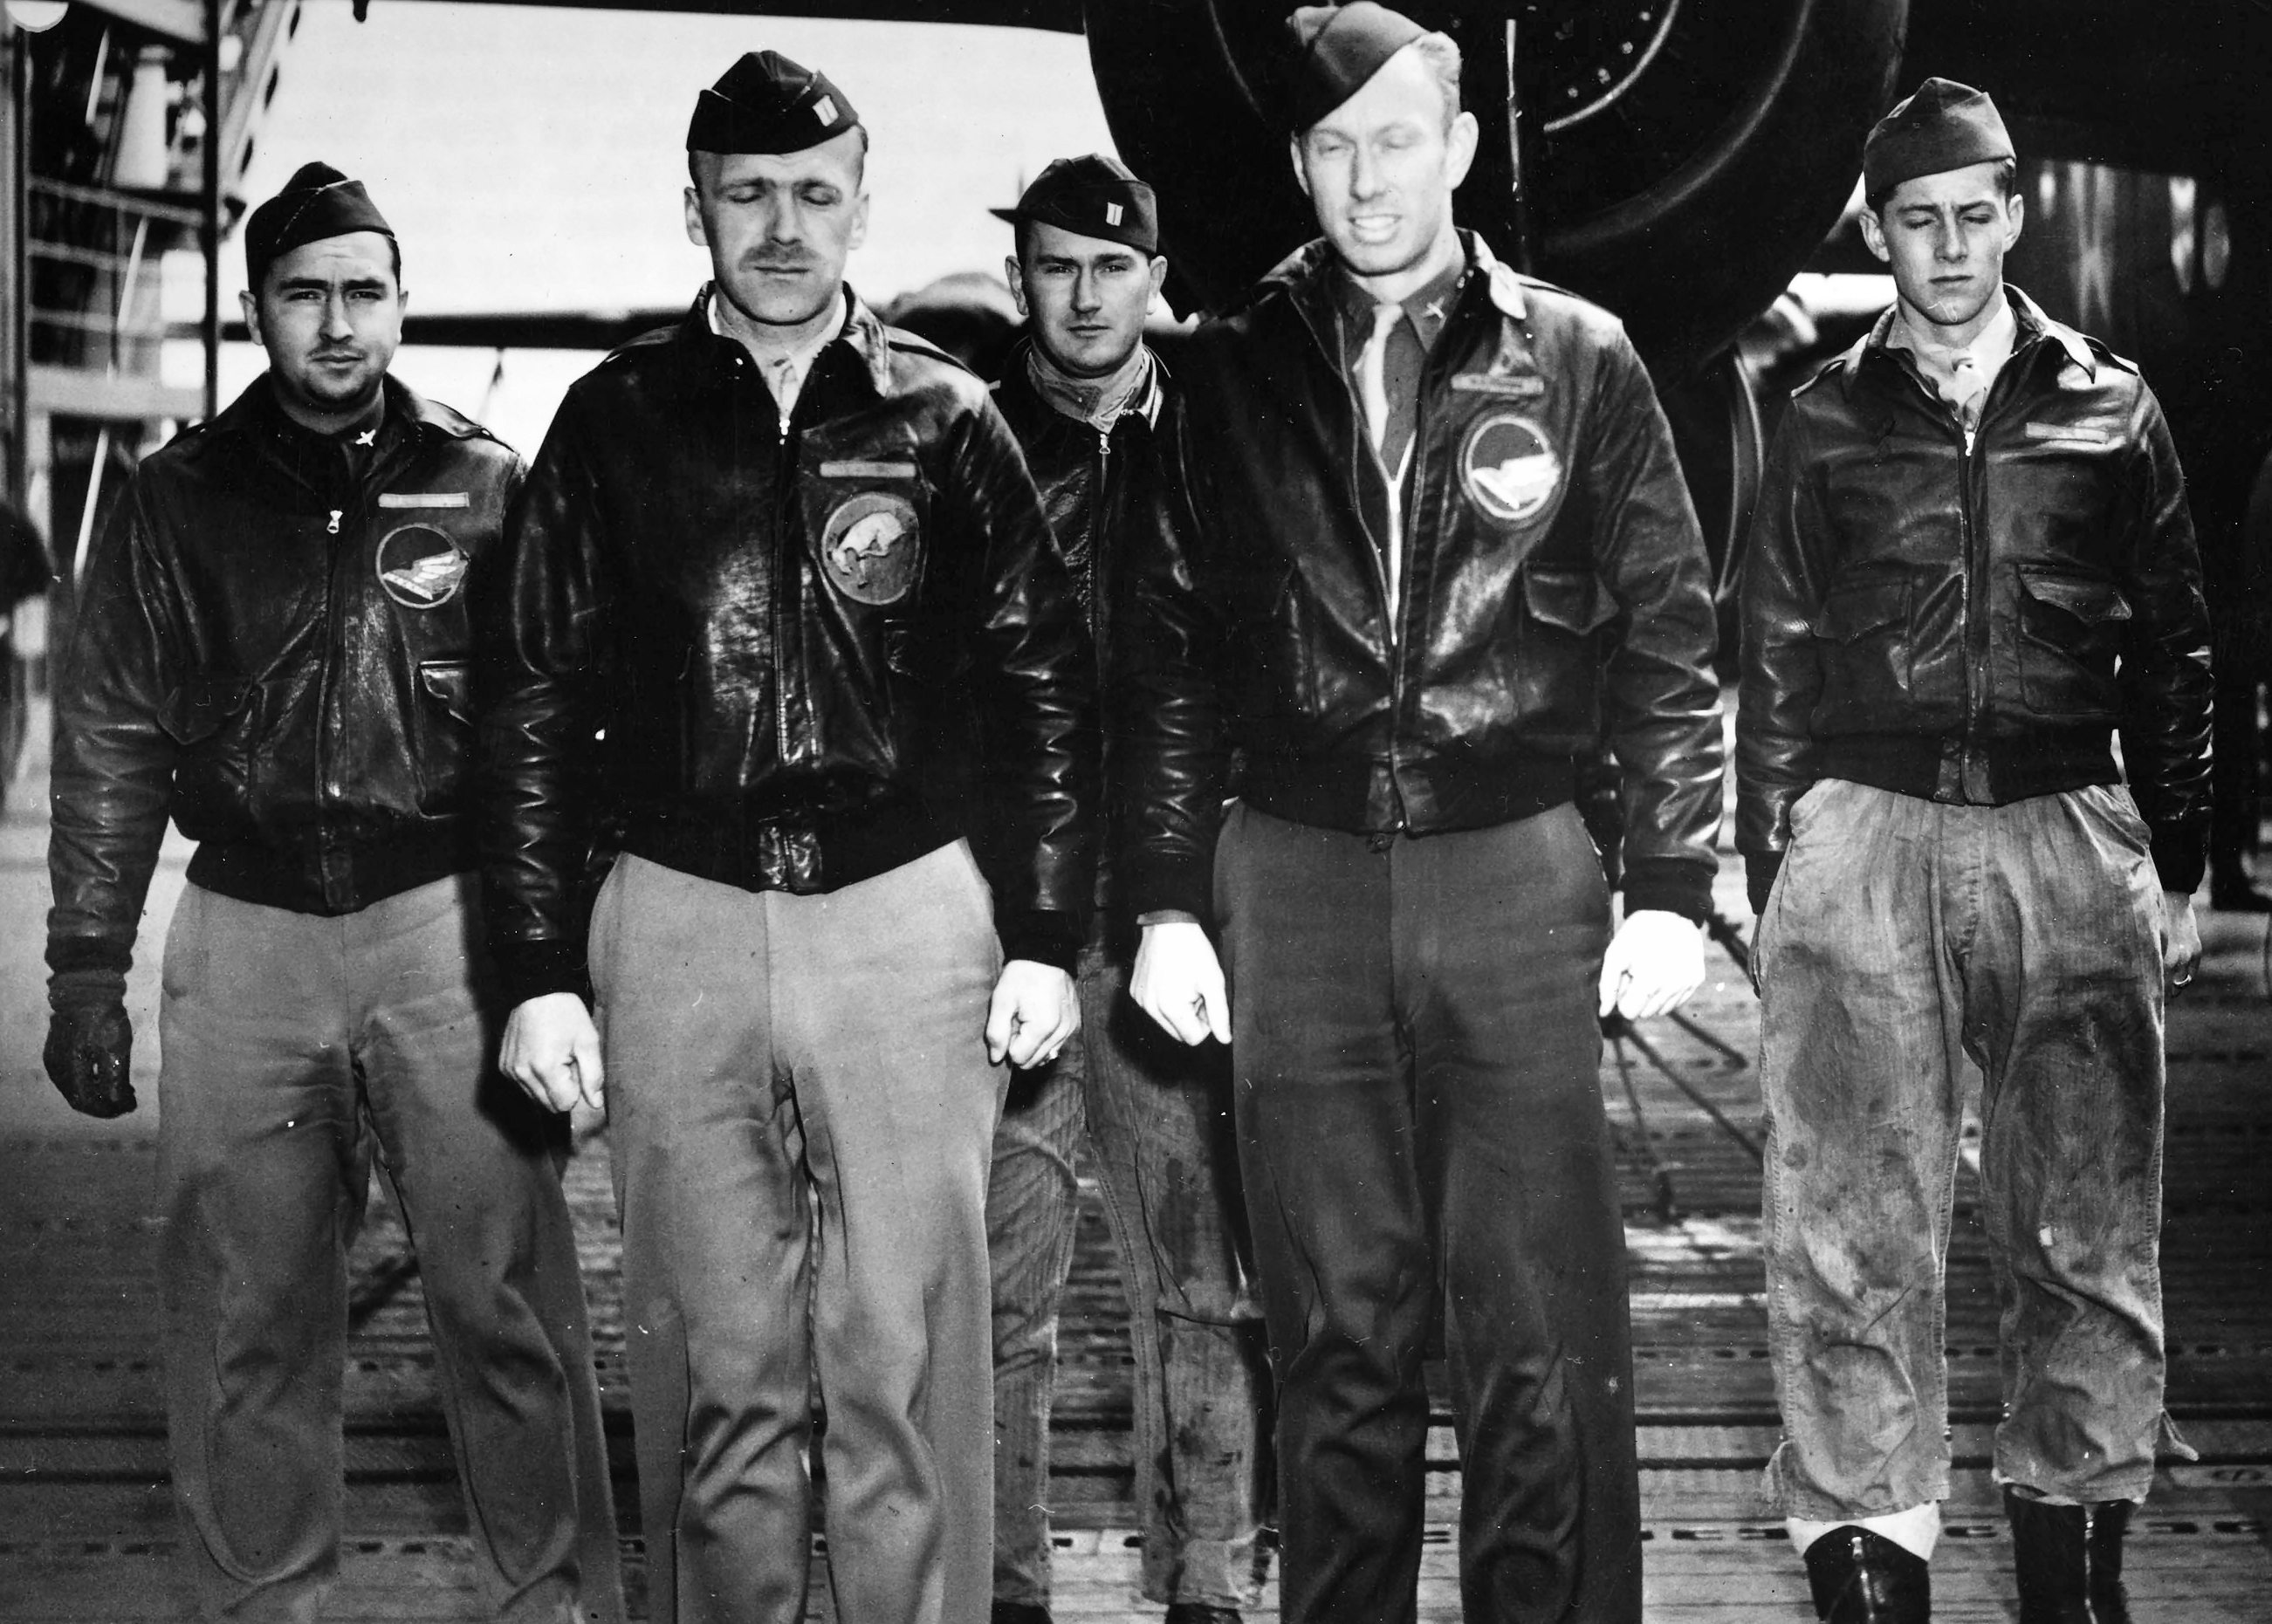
x=2235 y=809
x=1160 y=1144
x=295 y=1049
x=1421 y=1130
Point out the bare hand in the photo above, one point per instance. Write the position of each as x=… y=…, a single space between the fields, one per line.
x=1177 y=981
x=552 y=1050
x=2181 y=942
x=1034 y=1012
x=1656 y=961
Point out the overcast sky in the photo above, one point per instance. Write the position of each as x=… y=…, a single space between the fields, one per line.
x=533 y=158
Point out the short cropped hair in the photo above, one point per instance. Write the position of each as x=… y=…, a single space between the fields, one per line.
x=1021 y=232
x=694 y=166
x=1441 y=53
x=393 y=257
x=2007 y=183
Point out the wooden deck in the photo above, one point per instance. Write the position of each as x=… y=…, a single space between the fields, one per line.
x=86 y=1528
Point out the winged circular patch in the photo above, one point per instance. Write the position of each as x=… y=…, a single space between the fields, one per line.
x=868 y=546
x=420 y=567
x=1508 y=466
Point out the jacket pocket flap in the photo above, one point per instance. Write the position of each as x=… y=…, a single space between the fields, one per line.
x=199 y=707
x=451 y=681
x=1857 y=610
x=2092 y=602
x=1571 y=598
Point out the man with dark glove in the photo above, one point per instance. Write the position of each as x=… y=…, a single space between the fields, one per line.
x=760 y=557
x=1439 y=552
x=273 y=648
x=1095 y=411
x=1971 y=567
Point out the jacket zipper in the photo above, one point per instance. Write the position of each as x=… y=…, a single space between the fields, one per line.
x=786 y=524
x=1974 y=567
x=1358 y=448
x=1098 y=512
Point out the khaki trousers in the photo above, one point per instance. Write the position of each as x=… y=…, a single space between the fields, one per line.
x=295 y=1048
x=801 y=1108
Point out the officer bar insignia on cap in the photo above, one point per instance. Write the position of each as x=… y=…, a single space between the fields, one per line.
x=766 y=103
x=1092 y=196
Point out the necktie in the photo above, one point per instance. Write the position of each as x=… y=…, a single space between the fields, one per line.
x=1372 y=370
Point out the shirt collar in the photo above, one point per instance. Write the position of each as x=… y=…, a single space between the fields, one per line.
x=1991 y=347
x=1427 y=306
x=796 y=363
x=2028 y=316
x=1135 y=387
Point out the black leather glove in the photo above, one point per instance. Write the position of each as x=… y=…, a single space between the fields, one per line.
x=90 y=1056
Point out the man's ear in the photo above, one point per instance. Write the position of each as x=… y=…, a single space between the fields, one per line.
x=859 y=232
x=1016 y=272
x=250 y=306
x=1159 y=273
x=698 y=232
x=1460 y=142
x=1301 y=176
x=2016 y=215
x=1873 y=233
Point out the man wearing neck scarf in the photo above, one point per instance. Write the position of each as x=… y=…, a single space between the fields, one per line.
x=275 y=649
x=1972 y=568
x=1094 y=409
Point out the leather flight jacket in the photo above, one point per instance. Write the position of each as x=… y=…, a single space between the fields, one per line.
x=276 y=651
x=763 y=657
x=1973 y=623
x=1099 y=492
x=1553 y=592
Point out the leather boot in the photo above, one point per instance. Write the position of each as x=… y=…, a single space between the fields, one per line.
x=2069 y=1560
x=1861 y=1577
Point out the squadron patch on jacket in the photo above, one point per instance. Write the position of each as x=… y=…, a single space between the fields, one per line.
x=420 y=567
x=1508 y=466
x=868 y=547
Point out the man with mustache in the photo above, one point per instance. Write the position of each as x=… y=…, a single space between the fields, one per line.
x=1095 y=410
x=1972 y=567
x=1438 y=552
x=761 y=560
x=273 y=647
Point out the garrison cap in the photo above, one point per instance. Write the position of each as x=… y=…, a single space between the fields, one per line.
x=1943 y=126
x=766 y=103
x=1093 y=196
x=317 y=202
x=1336 y=50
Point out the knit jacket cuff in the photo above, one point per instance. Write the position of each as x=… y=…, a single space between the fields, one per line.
x=1152 y=886
x=528 y=969
x=1760 y=871
x=86 y=970
x=1045 y=935
x=2180 y=855
x=1670 y=886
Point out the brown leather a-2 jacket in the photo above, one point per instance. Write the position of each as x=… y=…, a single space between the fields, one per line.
x=1554 y=593
x=1972 y=624
x=276 y=652
x=771 y=635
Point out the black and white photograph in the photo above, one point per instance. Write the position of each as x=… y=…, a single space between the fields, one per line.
x=1092 y=811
